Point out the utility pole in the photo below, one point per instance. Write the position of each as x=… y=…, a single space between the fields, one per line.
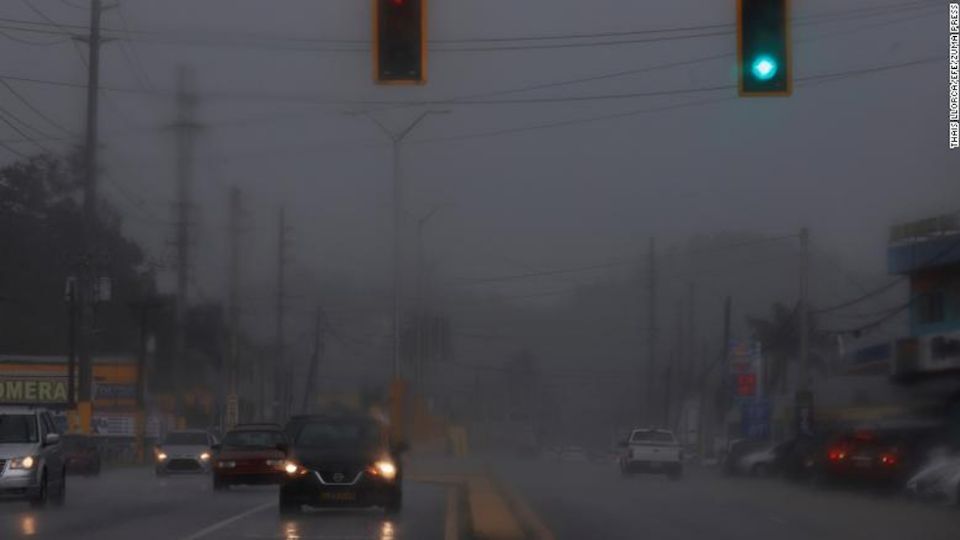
x=90 y=222
x=725 y=365
x=691 y=339
x=233 y=272
x=420 y=307
x=804 y=309
x=318 y=350
x=185 y=127
x=674 y=370
x=279 y=366
x=142 y=308
x=72 y=310
x=651 y=331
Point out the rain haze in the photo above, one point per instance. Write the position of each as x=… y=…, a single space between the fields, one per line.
x=540 y=269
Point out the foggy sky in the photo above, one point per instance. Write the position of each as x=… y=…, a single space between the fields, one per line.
x=846 y=158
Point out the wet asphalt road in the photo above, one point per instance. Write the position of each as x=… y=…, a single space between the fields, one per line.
x=582 y=500
x=131 y=504
x=574 y=500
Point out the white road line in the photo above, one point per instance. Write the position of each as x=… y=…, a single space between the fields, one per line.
x=221 y=524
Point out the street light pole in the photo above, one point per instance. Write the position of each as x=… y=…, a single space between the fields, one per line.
x=396 y=139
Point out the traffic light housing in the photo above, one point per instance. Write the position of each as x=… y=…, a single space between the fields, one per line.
x=400 y=41
x=763 y=48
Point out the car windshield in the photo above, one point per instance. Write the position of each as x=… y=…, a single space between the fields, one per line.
x=254 y=439
x=338 y=435
x=186 y=439
x=652 y=437
x=18 y=428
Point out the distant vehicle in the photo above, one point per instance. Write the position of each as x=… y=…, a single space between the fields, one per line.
x=81 y=454
x=654 y=451
x=341 y=461
x=31 y=456
x=250 y=454
x=187 y=451
x=736 y=450
x=937 y=480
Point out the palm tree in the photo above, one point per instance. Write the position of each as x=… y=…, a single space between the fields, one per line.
x=780 y=338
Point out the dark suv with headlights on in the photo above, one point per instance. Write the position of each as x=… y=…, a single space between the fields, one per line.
x=187 y=451
x=250 y=454
x=341 y=461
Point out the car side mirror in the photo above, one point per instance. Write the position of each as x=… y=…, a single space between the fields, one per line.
x=51 y=438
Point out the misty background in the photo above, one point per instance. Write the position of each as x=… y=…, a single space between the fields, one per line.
x=544 y=209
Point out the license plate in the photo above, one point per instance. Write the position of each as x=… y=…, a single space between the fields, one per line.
x=338 y=496
x=862 y=462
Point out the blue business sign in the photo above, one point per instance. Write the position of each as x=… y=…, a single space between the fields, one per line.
x=755 y=418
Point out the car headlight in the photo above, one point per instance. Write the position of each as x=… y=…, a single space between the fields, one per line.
x=293 y=468
x=226 y=464
x=161 y=456
x=385 y=469
x=24 y=463
x=205 y=456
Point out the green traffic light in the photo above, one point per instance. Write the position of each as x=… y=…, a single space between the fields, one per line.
x=764 y=68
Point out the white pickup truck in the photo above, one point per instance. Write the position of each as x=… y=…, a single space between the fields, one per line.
x=652 y=450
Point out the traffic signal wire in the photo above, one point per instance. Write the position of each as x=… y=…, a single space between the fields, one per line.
x=521 y=42
x=811 y=80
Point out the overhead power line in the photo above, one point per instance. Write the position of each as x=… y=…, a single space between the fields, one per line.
x=883 y=288
x=13 y=37
x=527 y=275
x=511 y=43
x=35 y=110
x=668 y=107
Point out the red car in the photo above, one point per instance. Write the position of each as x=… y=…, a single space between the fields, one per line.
x=250 y=454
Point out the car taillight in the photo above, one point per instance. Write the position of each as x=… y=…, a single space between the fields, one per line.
x=888 y=459
x=837 y=454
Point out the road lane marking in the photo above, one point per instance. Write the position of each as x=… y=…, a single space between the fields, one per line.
x=490 y=514
x=221 y=524
x=530 y=520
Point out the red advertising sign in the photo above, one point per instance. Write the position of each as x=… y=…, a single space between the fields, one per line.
x=746 y=384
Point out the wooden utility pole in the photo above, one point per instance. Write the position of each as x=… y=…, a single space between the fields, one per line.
x=707 y=401
x=804 y=309
x=279 y=367
x=651 y=401
x=318 y=350
x=233 y=272
x=186 y=128
x=84 y=292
